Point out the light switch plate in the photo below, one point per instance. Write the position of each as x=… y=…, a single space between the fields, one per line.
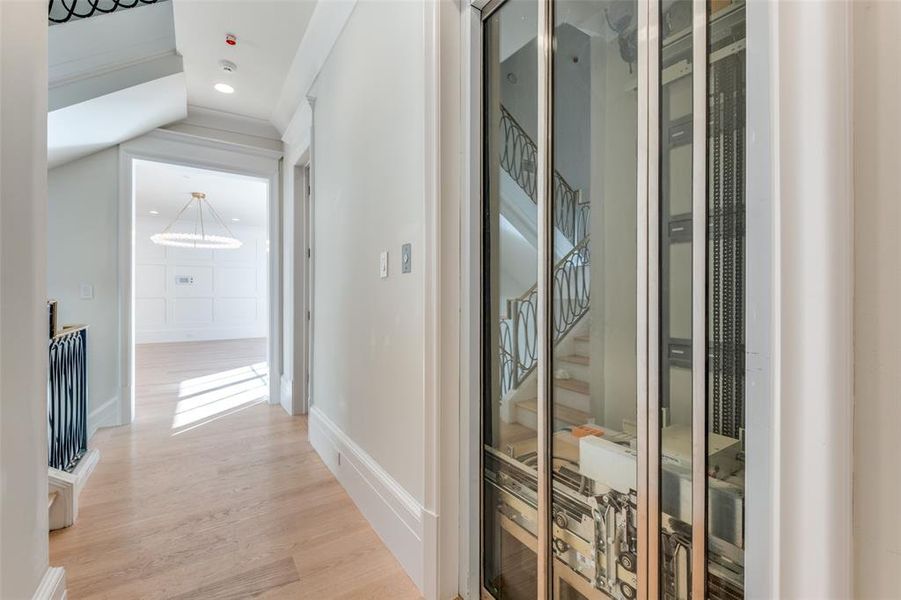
x=406 y=258
x=86 y=291
x=383 y=265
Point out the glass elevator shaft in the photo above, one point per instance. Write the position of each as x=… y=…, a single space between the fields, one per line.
x=613 y=299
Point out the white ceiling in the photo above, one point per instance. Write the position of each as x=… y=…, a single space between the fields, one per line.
x=166 y=188
x=268 y=32
x=87 y=127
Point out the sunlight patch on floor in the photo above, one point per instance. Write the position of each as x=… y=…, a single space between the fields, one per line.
x=205 y=399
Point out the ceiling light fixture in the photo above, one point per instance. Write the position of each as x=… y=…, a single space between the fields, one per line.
x=235 y=219
x=154 y=212
x=224 y=88
x=195 y=239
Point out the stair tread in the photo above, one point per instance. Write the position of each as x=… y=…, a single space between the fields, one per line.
x=573 y=385
x=576 y=359
x=582 y=338
x=563 y=413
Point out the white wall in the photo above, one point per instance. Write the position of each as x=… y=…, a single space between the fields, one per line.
x=23 y=291
x=82 y=248
x=877 y=299
x=227 y=299
x=368 y=127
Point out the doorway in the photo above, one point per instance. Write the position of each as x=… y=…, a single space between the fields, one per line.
x=201 y=293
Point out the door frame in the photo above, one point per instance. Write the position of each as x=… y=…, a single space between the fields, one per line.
x=186 y=150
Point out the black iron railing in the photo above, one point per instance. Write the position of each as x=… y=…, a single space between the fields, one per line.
x=570 y=293
x=67 y=398
x=570 y=301
x=519 y=159
x=63 y=11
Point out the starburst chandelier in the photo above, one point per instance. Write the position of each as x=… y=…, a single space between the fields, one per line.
x=199 y=238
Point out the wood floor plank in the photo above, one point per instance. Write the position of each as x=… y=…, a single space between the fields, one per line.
x=235 y=504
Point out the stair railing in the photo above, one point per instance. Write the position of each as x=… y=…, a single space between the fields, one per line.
x=67 y=398
x=63 y=11
x=519 y=159
x=519 y=331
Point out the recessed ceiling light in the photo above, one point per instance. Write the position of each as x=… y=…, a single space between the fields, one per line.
x=235 y=219
x=224 y=88
x=154 y=212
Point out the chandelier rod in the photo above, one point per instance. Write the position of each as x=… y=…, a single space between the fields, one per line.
x=218 y=218
x=200 y=202
x=178 y=216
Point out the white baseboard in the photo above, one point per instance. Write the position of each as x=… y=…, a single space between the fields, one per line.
x=53 y=585
x=68 y=486
x=105 y=415
x=394 y=514
x=165 y=336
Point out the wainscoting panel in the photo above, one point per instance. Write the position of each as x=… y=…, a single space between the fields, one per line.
x=186 y=294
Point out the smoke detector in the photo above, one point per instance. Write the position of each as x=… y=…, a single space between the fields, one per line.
x=228 y=66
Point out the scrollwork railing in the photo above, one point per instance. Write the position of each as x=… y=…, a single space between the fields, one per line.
x=63 y=11
x=569 y=303
x=67 y=399
x=519 y=159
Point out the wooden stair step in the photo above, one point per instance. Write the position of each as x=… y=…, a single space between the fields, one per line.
x=573 y=385
x=576 y=359
x=561 y=413
x=582 y=338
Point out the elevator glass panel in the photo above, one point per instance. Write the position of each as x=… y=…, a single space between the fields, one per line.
x=675 y=285
x=592 y=311
x=509 y=296
x=726 y=300
x=593 y=300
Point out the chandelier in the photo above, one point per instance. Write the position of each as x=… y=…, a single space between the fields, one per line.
x=199 y=238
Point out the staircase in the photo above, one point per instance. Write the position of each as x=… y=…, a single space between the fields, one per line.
x=570 y=301
x=572 y=396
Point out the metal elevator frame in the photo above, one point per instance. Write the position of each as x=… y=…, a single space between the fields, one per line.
x=652 y=363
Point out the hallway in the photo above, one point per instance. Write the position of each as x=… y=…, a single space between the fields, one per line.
x=212 y=493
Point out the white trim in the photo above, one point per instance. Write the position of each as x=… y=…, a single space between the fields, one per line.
x=813 y=261
x=470 y=309
x=170 y=136
x=287 y=389
x=105 y=415
x=228 y=127
x=183 y=149
x=52 y=585
x=395 y=515
x=325 y=27
x=761 y=550
x=201 y=334
x=68 y=486
x=231 y=122
x=306 y=247
x=433 y=301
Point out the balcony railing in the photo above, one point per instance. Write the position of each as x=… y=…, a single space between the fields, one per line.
x=63 y=11
x=67 y=398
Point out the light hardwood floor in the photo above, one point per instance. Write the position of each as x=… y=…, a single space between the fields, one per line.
x=216 y=494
